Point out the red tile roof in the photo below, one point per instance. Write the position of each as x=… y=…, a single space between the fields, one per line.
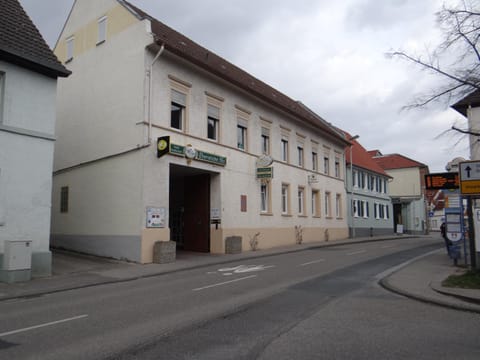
x=22 y=44
x=182 y=46
x=361 y=157
x=397 y=161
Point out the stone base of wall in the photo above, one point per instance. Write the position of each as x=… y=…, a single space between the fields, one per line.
x=164 y=252
x=233 y=245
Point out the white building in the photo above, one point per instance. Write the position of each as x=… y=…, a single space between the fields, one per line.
x=136 y=80
x=407 y=191
x=28 y=81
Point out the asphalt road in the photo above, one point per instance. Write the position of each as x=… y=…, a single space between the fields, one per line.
x=314 y=304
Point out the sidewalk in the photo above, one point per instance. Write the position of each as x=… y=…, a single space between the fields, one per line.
x=420 y=279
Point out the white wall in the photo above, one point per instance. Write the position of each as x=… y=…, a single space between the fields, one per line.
x=26 y=155
x=406 y=182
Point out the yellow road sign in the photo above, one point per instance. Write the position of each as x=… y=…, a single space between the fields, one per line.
x=470 y=187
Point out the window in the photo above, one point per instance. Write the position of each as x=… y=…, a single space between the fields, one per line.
x=265 y=198
x=384 y=186
x=327 y=205
x=337 y=167
x=265 y=141
x=300 y=156
x=314 y=161
x=213 y=120
x=284 y=149
x=376 y=213
x=360 y=208
x=355 y=178
x=179 y=103
x=285 y=196
x=2 y=92
x=301 y=200
x=338 y=206
x=64 y=199
x=315 y=203
x=70 y=48
x=102 y=30
x=241 y=137
x=326 y=165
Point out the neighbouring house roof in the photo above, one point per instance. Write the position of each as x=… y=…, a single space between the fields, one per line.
x=361 y=157
x=397 y=161
x=472 y=99
x=22 y=44
x=187 y=49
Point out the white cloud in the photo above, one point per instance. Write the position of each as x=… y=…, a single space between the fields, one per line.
x=328 y=54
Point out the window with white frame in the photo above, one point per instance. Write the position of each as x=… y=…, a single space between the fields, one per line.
x=315 y=203
x=300 y=155
x=327 y=203
x=241 y=136
x=366 y=209
x=337 y=167
x=384 y=186
x=301 y=200
x=70 y=42
x=338 y=206
x=314 y=161
x=265 y=198
x=285 y=198
x=284 y=149
x=326 y=165
x=265 y=139
x=213 y=122
x=102 y=30
x=376 y=213
x=178 y=109
x=355 y=178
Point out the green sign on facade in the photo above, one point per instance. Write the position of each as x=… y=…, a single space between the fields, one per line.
x=200 y=155
x=265 y=173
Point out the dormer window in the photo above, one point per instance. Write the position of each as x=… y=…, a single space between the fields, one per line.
x=70 y=46
x=102 y=30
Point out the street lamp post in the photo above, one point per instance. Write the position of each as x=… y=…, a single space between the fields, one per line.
x=351 y=184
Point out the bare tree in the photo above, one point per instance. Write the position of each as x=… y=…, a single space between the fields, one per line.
x=456 y=59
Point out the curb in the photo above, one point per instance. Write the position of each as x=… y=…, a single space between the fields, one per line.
x=384 y=283
x=223 y=260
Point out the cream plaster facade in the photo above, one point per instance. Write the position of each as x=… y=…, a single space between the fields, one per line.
x=107 y=115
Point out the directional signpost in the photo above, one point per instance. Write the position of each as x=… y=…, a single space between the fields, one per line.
x=470 y=185
x=470 y=177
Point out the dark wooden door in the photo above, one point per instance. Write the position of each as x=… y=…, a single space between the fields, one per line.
x=197 y=213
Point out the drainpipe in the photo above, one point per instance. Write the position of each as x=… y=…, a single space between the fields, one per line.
x=150 y=93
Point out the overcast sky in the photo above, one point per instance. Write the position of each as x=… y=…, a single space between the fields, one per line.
x=328 y=54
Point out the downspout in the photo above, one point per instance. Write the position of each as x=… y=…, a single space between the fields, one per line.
x=150 y=92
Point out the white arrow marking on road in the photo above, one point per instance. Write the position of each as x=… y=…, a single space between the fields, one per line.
x=224 y=283
x=245 y=268
x=42 y=325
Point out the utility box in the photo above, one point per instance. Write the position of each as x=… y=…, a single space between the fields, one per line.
x=17 y=261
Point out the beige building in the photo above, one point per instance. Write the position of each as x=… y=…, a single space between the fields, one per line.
x=160 y=139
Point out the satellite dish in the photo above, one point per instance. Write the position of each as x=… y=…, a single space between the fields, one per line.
x=264 y=160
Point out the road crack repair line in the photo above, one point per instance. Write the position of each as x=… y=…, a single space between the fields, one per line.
x=42 y=325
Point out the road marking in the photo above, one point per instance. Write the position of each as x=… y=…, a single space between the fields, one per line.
x=42 y=325
x=224 y=283
x=243 y=269
x=312 y=262
x=387 y=246
x=356 y=252
x=390 y=271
